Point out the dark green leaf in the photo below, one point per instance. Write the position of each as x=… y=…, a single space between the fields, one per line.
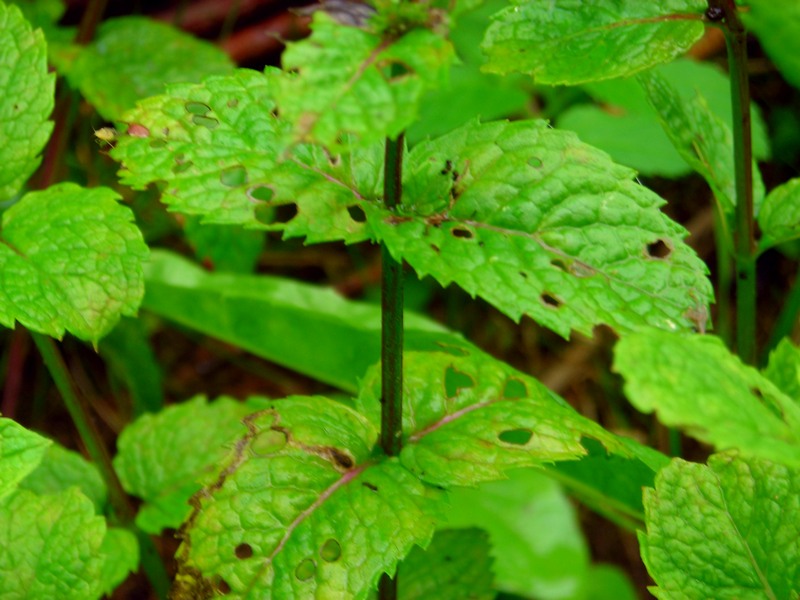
x=575 y=41
x=779 y=217
x=701 y=137
x=537 y=545
x=70 y=260
x=344 y=84
x=223 y=154
x=162 y=457
x=62 y=469
x=695 y=383
x=469 y=418
x=21 y=451
x=26 y=100
x=304 y=327
x=301 y=510
x=729 y=530
x=456 y=566
x=777 y=25
x=539 y=224
x=132 y=58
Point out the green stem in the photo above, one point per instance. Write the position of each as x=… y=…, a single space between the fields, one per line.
x=391 y=332
x=120 y=503
x=745 y=251
x=392 y=313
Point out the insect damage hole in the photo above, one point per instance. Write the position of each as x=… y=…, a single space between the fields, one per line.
x=331 y=550
x=515 y=389
x=516 y=437
x=357 y=213
x=462 y=232
x=455 y=381
x=306 y=569
x=370 y=486
x=659 y=249
x=550 y=300
x=285 y=213
x=243 y=551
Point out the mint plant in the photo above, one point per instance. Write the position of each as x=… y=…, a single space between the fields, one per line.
x=348 y=497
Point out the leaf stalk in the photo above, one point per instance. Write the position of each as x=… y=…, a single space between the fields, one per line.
x=92 y=440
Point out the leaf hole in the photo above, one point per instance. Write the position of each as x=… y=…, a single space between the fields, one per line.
x=448 y=167
x=515 y=389
x=560 y=264
x=331 y=550
x=233 y=176
x=243 y=551
x=207 y=122
x=285 y=213
x=517 y=437
x=357 y=213
x=370 y=486
x=757 y=393
x=523 y=274
x=535 y=162
x=659 y=249
x=455 y=381
x=262 y=193
x=452 y=350
x=182 y=166
x=549 y=299
x=306 y=569
x=462 y=232
x=269 y=442
x=264 y=213
x=223 y=587
x=435 y=248
x=341 y=458
x=197 y=108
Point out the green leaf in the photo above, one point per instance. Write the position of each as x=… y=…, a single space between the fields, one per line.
x=162 y=457
x=21 y=451
x=456 y=566
x=701 y=137
x=62 y=469
x=222 y=151
x=468 y=418
x=728 y=530
x=300 y=510
x=224 y=248
x=608 y=582
x=695 y=383
x=71 y=260
x=627 y=126
x=308 y=328
x=121 y=551
x=26 y=100
x=611 y=484
x=129 y=357
x=779 y=217
x=575 y=41
x=537 y=545
x=539 y=224
x=50 y=546
x=132 y=58
x=784 y=369
x=344 y=83
x=777 y=25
